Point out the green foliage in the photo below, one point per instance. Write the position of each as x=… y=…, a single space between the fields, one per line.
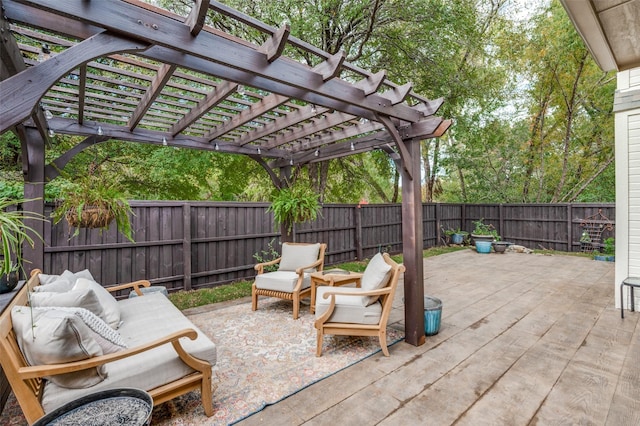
x=482 y=228
x=13 y=233
x=295 y=205
x=609 y=247
x=267 y=256
x=92 y=190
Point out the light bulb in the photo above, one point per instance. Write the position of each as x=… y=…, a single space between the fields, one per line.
x=353 y=147
x=164 y=141
x=51 y=133
x=317 y=153
x=216 y=147
x=291 y=162
x=100 y=132
x=47 y=114
x=240 y=89
x=259 y=152
x=313 y=108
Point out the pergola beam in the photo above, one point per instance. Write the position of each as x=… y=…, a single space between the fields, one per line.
x=157 y=84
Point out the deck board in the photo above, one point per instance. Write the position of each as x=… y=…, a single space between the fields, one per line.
x=524 y=339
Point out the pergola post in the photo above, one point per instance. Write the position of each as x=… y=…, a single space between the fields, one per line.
x=34 y=181
x=412 y=242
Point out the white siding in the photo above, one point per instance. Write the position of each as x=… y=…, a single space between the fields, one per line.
x=634 y=77
x=633 y=134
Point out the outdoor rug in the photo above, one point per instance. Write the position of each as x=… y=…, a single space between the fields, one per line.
x=263 y=357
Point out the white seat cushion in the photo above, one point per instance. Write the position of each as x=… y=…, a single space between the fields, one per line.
x=281 y=281
x=348 y=309
x=144 y=319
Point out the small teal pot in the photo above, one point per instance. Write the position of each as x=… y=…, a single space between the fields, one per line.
x=483 y=246
x=605 y=258
x=457 y=238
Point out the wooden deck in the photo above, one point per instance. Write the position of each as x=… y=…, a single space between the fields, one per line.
x=524 y=340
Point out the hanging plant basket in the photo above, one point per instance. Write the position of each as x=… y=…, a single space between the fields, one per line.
x=91 y=217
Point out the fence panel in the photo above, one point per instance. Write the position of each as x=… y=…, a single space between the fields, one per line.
x=190 y=245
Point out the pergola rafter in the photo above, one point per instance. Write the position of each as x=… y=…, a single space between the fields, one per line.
x=130 y=71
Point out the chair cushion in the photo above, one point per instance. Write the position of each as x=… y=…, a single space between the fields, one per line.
x=348 y=309
x=376 y=275
x=86 y=298
x=108 y=302
x=52 y=336
x=60 y=283
x=144 y=319
x=281 y=281
x=298 y=255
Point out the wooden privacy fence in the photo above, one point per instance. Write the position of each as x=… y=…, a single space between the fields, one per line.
x=190 y=245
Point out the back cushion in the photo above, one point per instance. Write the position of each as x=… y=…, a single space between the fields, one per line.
x=85 y=298
x=297 y=256
x=108 y=302
x=376 y=275
x=50 y=336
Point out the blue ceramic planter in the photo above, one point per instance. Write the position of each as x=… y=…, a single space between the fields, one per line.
x=483 y=246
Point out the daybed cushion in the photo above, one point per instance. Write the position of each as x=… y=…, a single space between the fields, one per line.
x=349 y=309
x=297 y=256
x=60 y=283
x=52 y=336
x=108 y=302
x=376 y=275
x=144 y=319
x=86 y=299
x=281 y=281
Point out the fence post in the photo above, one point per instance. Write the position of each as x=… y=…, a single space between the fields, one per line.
x=569 y=228
x=186 y=245
x=501 y=219
x=358 y=219
x=438 y=227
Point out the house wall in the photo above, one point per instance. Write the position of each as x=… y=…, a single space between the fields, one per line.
x=627 y=134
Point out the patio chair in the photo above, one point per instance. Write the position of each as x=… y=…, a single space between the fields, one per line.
x=291 y=281
x=360 y=311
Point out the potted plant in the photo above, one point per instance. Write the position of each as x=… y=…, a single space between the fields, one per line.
x=93 y=202
x=608 y=251
x=294 y=204
x=13 y=233
x=456 y=235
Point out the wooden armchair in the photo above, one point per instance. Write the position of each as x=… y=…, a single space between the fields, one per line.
x=360 y=311
x=291 y=281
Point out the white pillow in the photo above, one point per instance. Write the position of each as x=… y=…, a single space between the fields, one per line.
x=51 y=336
x=61 y=283
x=109 y=339
x=375 y=276
x=108 y=302
x=296 y=256
x=86 y=298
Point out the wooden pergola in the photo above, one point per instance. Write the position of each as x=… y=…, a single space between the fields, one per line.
x=129 y=71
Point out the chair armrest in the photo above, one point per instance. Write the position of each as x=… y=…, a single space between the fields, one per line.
x=315 y=264
x=260 y=266
x=332 y=304
x=36 y=371
x=133 y=285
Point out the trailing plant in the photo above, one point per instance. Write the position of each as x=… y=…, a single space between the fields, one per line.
x=295 y=205
x=92 y=202
x=13 y=233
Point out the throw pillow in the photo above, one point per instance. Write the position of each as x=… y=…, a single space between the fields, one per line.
x=108 y=302
x=51 y=336
x=61 y=283
x=86 y=298
x=109 y=339
x=58 y=286
x=375 y=276
x=297 y=256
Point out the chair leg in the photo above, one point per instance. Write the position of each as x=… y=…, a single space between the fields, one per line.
x=296 y=306
x=319 y=340
x=383 y=342
x=621 y=301
x=254 y=300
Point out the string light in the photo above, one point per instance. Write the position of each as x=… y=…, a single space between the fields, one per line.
x=216 y=147
x=363 y=120
x=317 y=153
x=100 y=132
x=313 y=108
x=241 y=90
x=291 y=162
x=47 y=114
x=51 y=133
x=164 y=141
x=259 y=152
x=353 y=147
